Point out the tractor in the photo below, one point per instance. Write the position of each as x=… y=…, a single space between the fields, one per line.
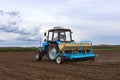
x=60 y=46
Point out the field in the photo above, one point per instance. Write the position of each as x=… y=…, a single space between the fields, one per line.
x=20 y=65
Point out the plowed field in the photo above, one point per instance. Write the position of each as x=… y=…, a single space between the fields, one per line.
x=21 y=66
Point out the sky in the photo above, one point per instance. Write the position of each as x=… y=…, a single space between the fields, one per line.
x=23 y=22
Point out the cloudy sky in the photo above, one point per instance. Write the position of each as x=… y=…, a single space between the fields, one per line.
x=22 y=22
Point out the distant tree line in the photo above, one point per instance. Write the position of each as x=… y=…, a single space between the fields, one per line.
x=95 y=47
x=106 y=47
x=18 y=49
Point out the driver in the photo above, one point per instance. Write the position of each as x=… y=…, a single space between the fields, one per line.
x=62 y=37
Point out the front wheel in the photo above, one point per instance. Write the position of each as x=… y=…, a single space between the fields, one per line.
x=38 y=55
x=59 y=60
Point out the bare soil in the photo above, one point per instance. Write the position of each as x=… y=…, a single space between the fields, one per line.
x=21 y=66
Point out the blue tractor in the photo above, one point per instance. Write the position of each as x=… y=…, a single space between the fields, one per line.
x=59 y=46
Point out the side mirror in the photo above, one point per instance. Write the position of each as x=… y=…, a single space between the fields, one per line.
x=44 y=33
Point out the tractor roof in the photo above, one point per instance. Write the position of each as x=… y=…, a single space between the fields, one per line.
x=59 y=28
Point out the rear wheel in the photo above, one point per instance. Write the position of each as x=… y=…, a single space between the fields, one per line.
x=38 y=55
x=52 y=51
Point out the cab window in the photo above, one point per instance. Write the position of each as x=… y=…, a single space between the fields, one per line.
x=68 y=36
x=50 y=36
x=55 y=37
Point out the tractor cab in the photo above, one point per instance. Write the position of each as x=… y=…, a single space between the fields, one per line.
x=59 y=34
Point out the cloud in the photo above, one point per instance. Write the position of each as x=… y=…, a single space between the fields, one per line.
x=13 y=13
x=12 y=29
x=1 y=12
x=96 y=20
x=2 y=39
x=11 y=23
